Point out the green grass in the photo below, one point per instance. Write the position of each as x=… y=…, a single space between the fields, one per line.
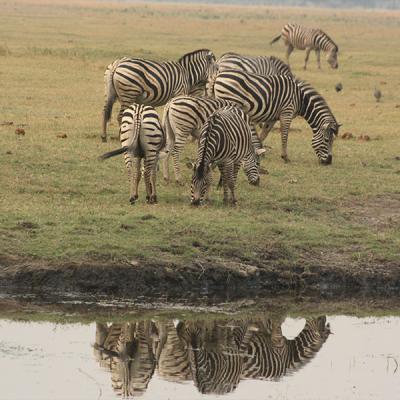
x=52 y=59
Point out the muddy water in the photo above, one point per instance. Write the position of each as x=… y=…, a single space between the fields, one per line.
x=326 y=357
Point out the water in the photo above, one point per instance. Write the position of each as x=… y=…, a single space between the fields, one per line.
x=333 y=357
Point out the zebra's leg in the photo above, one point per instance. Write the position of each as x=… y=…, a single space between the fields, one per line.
x=153 y=177
x=266 y=128
x=228 y=169
x=307 y=57
x=289 y=50
x=180 y=140
x=285 y=120
x=318 y=54
x=135 y=179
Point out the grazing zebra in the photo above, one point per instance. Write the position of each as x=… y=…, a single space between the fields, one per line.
x=304 y=38
x=261 y=65
x=141 y=136
x=214 y=353
x=268 y=354
x=278 y=97
x=135 y=80
x=184 y=116
x=131 y=360
x=226 y=141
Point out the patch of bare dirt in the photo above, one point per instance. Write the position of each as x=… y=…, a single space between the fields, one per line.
x=380 y=212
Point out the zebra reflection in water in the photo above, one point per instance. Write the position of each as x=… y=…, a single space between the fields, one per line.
x=215 y=354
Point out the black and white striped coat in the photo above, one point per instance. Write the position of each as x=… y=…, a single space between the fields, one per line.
x=269 y=355
x=225 y=140
x=141 y=136
x=305 y=38
x=136 y=80
x=184 y=116
x=261 y=65
x=278 y=97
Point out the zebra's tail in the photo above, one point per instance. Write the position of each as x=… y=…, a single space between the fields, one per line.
x=275 y=39
x=110 y=95
x=113 y=153
x=168 y=130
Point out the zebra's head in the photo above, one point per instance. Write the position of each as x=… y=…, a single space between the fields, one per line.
x=201 y=181
x=332 y=57
x=199 y=65
x=322 y=141
x=251 y=167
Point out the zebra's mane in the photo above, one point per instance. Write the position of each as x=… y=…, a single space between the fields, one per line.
x=194 y=52
x=330 y=39
x=310 y=94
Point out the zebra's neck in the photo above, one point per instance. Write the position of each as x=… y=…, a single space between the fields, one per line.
x=313 y=107
x=324 y=42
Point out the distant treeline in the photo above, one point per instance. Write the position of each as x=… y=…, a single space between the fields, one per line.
x=388 y=4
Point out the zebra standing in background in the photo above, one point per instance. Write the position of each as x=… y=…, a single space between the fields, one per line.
x=268 y=354
x=184 y=116
x=136 y=80
x=304 y=38
x=141 y=136
x=277 y=97
x=225 y=140
x=261 y=65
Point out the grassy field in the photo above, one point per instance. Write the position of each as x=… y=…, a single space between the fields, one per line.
x=59 y=204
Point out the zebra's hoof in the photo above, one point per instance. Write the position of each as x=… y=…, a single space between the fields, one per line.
x=151 y=199
x=179 y=183
x=133 y=199
x=285 y=158
x=104 y=139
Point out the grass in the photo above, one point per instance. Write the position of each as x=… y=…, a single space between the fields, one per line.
x=52 y=57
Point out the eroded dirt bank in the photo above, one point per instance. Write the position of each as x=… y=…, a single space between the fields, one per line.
x=226 y=278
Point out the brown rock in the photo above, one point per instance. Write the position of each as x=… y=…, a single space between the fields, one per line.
x=20 y=131
x=62 y=135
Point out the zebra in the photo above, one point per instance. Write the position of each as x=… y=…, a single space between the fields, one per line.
x=305 y=38
x=184 y=116
x=214 y=353
x=141 y=136
x=269 y=355
x=137 y=80
x=128 y=348
x=261 y=65
x=279 y=97
x=171 y=354
x=225 y=140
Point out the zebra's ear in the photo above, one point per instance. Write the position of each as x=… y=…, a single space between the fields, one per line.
x=210 y=56
x=260 y=151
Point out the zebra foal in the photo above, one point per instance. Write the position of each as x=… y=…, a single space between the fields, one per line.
x=305 y=38
x=136 y=80
x=278 y=97
x=184 y=116
x=141 y=136
x=225 y=140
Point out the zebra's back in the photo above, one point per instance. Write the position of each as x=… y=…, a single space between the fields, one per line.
x=261 y=65
x=261 y=97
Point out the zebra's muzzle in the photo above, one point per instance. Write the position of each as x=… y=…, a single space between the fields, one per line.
x=328 y=160
x=195 y=202
x=256 y=183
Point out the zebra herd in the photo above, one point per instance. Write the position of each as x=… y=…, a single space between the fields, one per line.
x=215 y=355
x=218 y=102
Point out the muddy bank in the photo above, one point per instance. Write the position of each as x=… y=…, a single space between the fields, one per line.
x=225 y=279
